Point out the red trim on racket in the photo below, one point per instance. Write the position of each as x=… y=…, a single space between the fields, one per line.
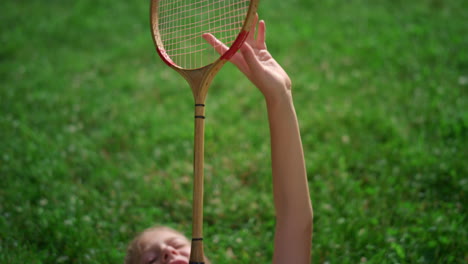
x=235 y=45
x=162 y=53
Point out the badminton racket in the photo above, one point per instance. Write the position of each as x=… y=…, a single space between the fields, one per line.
x=177 y=29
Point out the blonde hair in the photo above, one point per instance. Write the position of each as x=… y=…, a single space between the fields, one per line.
x=135 y=248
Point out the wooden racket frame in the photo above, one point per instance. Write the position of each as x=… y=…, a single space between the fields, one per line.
x=199 y=80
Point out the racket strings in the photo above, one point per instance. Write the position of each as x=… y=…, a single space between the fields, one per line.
x=188 y=37
x=182 y=23
x=196 y=9
x=198 y=47
x=199 y=23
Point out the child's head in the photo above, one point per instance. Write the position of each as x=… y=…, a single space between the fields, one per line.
x=158 y=245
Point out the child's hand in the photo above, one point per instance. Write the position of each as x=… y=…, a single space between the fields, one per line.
x=257 y=64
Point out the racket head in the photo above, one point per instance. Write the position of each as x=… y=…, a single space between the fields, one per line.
x=177 y=27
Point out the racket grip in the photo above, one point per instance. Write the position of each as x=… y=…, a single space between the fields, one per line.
x=196 y=253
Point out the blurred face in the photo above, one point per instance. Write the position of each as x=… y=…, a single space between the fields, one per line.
x=164 y=246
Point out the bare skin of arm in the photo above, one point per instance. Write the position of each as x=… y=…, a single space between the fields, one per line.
x=293 y=231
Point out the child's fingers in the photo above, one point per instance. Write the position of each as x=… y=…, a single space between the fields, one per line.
x=217 y=45
x=261 y=35
x=250 y=57
x=221 y=49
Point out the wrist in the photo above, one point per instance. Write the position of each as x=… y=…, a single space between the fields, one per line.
x=279 y=100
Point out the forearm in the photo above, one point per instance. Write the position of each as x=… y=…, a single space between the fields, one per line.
x=291 y=193
x=288 y=167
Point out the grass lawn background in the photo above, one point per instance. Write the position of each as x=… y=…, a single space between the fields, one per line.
x=96 y=133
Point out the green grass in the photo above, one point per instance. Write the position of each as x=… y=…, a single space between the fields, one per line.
x=96 y=133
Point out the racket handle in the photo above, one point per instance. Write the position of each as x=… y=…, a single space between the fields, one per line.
x=196 y=253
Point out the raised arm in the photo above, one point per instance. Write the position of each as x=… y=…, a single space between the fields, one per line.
x=293 y=231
